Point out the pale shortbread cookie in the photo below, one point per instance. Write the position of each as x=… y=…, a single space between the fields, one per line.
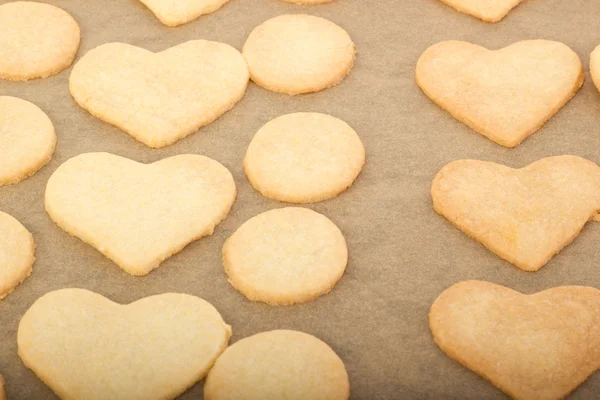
x=17 y=254
x=486 y=10
x=595 y=66
x=539 y=346
x=304 y=158
x=308 y=2
x=36 y=40
x=179 y=12
x=285 y=256
x=297 y=54
x=27 y=139
x=139 y=214
x=278 y=364
x=505 y=95
x=159 y=98
x=525 y=216
x=85 y=347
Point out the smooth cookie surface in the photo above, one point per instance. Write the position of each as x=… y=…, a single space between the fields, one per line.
x=298 y=53
x=178 y=12
x=304 y=158
x=486 y=10
x=84 y=346
x=524 y=215
x=27 y=139
x=279 y=364
x=285 y=256
x=36 y=40
x=160 y=98
x=505 y=95
x=17 y=254
x=136 y=214
x=540 y=346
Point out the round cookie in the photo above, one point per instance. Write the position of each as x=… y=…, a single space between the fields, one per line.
x=304 y=158
x=595 y=66
x=279 y=364
x=285 y=256
x=298 y=53
x=17 y=251
x=36 y=40
x=27 y=139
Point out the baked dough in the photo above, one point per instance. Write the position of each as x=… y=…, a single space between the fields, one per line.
x=36 y=40
x=298 y=53
x=17 y=254
x=486 y=10
x=160 y=98
x=540 y=346
x=285 y=256
x=526 y=215
x=85 y=347
x=279 y=364
x=27 y=139
x=304 y=158
x=179 y=12
x=505 y=95
x=136 y=214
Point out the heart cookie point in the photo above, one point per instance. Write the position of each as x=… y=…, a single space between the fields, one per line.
x=485 y=10
x=524 y=216
x=173 y=13
x=138 y=215
x=84 y=346
x=505 y=95
x=160 y=98
x=540 y=346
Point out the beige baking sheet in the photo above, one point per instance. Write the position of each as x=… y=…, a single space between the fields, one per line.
x=402 y=255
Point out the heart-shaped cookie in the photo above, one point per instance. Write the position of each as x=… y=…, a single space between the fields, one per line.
x=539 y=346
x=84 y=346
x=525 y=215
x=139 y=214
x=17 y=254
x=505 y=95
x=486 y=10
x=159 y=98
x=179 y=12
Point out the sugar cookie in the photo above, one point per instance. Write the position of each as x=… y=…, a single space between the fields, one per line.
x=505 y=95
x=136 y=214
x=175 y=13
x=17 y=254
x=304 y=158
x=297 y=54
x=526 y=215
x=159 y=98
x=36 y=40
x=285 y=256
x=84 y=346
x=486 y=10
x=279 y=364
x=539 y=346
x=27 y=139
x=595 y=66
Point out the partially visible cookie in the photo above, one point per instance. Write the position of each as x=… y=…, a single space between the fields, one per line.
x=138 y=215
x=160 y=98
x=505 y=95
x=85 y=347
x=17 y=254
x=540 y=346
x=36 y=40
x=278 y=364
x=304 y=158
x=27 y=139
x=595 y=66
x=179 y=12
x=526 y=215
x=486 y=10
x=285 y=256
x=298 y=53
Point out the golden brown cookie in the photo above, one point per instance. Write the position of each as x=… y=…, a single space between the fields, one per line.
x=540 y=346
x=525 y=215
x=505 y=95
